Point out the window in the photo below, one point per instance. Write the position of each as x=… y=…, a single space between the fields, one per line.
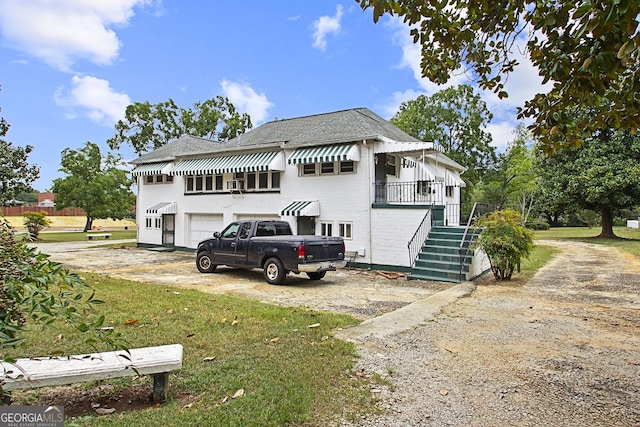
x=158 y=223
x=348 y=166
x=344 y=230
x=189 y=183
x=169 y=178
x=148 y=179
x=159 y=179
x=326 y=167
x=251 y=181
x=449 y=191
x=147 y=222
x=218 y=182
x=275 y=179
x=309 y=169
x=208 y=183
x=326 y=229
x=390 y=165
x=423 y=187
x=263 y=180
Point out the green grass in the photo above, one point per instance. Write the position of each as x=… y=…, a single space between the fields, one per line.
x=62 y=236
x=629 y=237
x=292 y=374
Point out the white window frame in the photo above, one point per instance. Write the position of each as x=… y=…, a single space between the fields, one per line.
x=157 y=224
x=345 y=230
x=148 y=222
x=326 y=228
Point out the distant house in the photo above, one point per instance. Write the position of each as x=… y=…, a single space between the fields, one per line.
x=346 y=173
x=46 y=200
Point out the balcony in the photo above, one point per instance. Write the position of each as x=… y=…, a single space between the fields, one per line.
x=409 y=193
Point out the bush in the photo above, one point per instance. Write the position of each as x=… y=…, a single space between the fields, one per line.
x=537 y=224
x=505 y=241
x=35 y=222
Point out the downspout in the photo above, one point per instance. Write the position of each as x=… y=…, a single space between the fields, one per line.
x=370 y=203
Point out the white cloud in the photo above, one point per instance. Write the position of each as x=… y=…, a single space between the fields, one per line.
x=62 y=31
x=96 y=98
x=326 y=25
x=247 y=100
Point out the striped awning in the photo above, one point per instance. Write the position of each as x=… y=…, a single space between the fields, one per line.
x=302 y=208
x=164 y=208
x=254 y=162
x=453 y=180
x=151 y=169
x=327 y=153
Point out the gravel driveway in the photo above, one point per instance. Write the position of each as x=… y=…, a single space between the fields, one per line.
x=562 y=350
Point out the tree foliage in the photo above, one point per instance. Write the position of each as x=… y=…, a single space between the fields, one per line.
x=505 y=241
x=97 y=184
x=35 y=222
x=35 y=290
x=149 y=126
x=588 y=49
x=16 y=174
x=603 y=175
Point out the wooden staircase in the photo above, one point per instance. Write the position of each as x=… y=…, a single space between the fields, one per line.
x=440 y=258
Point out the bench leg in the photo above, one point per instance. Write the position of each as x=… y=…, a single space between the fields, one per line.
x=160 y=387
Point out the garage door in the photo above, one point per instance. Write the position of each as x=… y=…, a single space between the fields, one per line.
x=202 y=226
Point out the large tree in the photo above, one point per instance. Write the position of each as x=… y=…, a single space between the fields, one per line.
x=16 y=174
x=456 y=119
x=100 y=185
x=584 y=47
x=149 y=126
x=603 y=175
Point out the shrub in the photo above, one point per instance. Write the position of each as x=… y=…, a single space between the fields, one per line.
x=537 y=224
x=505 y=241
x=35 y=222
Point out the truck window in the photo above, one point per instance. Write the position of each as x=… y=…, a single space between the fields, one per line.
x=273 y=229
x=244 y=230
x=231 y=231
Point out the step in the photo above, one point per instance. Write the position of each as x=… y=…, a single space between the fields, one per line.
x=436 y=274
x=447 y=250
x=425 y=256
x=441 y=265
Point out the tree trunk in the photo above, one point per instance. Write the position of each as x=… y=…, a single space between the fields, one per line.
x=607 y=224
x=88 y=224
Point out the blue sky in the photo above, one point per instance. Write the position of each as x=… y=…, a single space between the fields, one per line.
x=69 y=68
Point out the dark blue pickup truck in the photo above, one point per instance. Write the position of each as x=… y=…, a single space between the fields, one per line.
x=271 y=246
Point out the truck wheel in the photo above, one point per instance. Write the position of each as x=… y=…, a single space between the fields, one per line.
x=205 y=263
x=316 y=275
x=274 y=271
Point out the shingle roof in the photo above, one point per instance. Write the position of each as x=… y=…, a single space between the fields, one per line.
x=329 y=128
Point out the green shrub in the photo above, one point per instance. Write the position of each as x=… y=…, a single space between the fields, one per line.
x=537 y=224
x=35 y=222
x=505 y=241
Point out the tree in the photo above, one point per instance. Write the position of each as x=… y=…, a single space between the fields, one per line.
x=98 y=185
x=35 y=289
x=35 y=222
x=505 y=241
x=603 y=175
x=16 y=175
x=588 y=49
x=149 y=126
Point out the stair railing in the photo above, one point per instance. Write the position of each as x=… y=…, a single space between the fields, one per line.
x=464 y=248
x=417 y=241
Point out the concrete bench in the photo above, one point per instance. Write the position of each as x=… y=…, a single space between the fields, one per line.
x=54 y=371
x=105 y=235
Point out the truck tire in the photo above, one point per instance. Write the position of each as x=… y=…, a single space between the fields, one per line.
x=274 y=271
x=316 y=275
x=205 y=263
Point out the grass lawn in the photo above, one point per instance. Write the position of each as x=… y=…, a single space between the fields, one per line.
x=62 y=236
x=292 y=370
x=629 y=237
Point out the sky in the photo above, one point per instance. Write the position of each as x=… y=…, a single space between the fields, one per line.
x=69 y=68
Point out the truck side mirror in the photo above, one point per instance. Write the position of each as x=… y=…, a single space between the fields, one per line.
x=216 y=234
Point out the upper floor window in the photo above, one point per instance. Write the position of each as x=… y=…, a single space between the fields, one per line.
x=158 y=179
x=391 y=165
x=238 y=181
x=327 y=168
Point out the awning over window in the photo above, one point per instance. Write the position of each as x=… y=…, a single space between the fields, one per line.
x=164 y=208
x=254 y=162
x=151 y=169
x=327 y=153
x=302 y=208
x=453 y=180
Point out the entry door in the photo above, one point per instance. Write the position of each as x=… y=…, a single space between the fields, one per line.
x=168 y=229
x=306 y=225
x=381 y=178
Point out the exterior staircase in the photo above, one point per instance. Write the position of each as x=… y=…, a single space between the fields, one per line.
x=439 y=258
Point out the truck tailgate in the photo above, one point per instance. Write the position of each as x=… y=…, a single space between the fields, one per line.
x=324 y=249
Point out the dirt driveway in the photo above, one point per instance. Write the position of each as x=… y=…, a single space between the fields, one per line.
x=362 y=294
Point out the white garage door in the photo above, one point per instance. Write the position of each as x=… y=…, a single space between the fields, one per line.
x=202 y=226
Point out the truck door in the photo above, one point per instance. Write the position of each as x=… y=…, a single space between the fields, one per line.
x=226 y=252
x=242 y=243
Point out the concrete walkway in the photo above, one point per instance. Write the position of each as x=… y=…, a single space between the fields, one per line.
x=407 y=317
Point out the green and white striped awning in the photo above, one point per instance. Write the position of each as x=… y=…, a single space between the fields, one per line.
x=327 y=153
x=273 y=160
x=151 y=169
x=164 y=208
x=302 y=208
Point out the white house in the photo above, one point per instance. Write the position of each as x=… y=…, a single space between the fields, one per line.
x=347 y=173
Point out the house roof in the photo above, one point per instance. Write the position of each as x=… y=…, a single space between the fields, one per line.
x=320 y=129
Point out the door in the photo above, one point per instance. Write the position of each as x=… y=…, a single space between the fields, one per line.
x=233 y=244
x=168 y=229
x=306 y=225
x=381 y=178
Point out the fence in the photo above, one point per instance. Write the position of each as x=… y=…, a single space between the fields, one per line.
x=51 y=211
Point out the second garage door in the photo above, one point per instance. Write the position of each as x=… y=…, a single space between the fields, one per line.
x=202 y=226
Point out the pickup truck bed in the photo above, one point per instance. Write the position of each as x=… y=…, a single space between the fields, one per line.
x=271 y=246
